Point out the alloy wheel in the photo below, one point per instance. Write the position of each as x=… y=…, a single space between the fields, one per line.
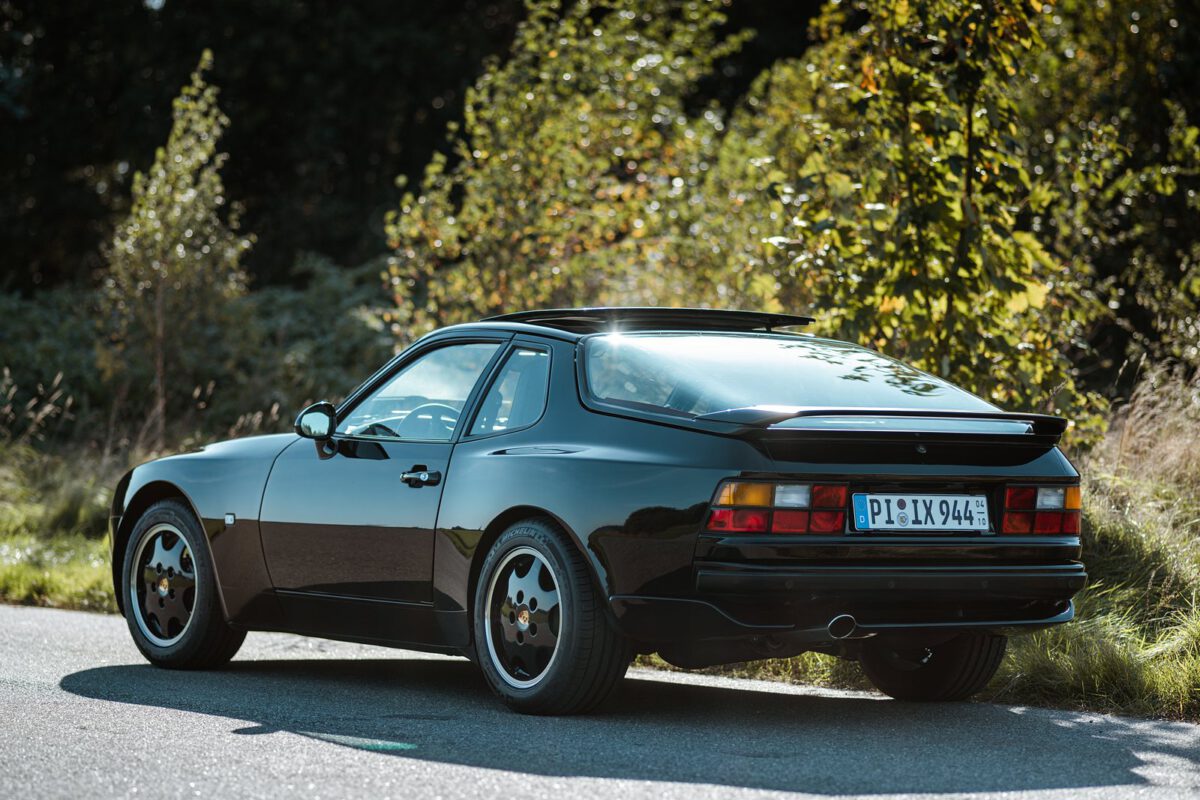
x=524 y=617
x=162 y=585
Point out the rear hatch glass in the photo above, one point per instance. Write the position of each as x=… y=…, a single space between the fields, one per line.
x=692 y=374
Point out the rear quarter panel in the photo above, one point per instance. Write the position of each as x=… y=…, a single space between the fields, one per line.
x=631 y=494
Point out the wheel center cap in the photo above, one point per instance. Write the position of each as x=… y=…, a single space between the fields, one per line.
x=523 y=618
x=163 y=587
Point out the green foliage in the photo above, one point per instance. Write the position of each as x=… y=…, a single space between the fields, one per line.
x=1111 y=109
x=573 y=172
x=899 y=195
x=49 y=358
x=312 y=343
x=882 y=183
x=45 y=495
x=173 y=263
x=66 y=572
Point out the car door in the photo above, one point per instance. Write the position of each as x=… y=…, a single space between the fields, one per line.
x=353 y=517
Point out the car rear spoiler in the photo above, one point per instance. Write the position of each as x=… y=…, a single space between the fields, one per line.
x=766 y=416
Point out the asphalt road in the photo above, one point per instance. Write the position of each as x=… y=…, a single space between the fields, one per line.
x=81 y=715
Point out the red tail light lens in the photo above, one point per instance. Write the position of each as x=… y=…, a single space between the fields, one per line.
x=785 y=508
x=829 y=496
x=789 y=522
x=1048 y=510
x=1018 y=522
x=738 y=520
x=827 y=522
x=1047 y=522
x=1020 y=497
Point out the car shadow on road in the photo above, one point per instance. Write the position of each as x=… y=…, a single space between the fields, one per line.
x=656 y=730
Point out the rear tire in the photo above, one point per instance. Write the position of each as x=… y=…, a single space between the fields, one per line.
x=170 y=592
x=952 y=670
x=542 y=635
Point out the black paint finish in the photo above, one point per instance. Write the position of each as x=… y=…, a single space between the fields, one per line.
x=330 y=539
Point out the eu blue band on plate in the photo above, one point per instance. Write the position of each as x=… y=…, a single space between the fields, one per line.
x=860 y=511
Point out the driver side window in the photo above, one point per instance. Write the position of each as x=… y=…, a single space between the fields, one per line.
x=423 y=401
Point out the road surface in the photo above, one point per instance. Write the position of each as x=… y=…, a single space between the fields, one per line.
x=82 y=715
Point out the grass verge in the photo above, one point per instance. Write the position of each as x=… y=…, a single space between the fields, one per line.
x=62 y=572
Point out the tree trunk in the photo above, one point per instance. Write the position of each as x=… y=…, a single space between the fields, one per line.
x=160 y=370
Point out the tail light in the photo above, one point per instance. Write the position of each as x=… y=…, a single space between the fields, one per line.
x=1052 y=510
x=761 y=507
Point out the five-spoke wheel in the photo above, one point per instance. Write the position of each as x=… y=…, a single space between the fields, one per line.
x=525 y=617
x=170 y=595
x=162 y=585
x=542 y=633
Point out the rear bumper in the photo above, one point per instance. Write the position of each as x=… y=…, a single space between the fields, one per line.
x=736 y=601
x=1058 y=582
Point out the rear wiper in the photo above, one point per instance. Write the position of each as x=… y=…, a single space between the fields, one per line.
x=765 y=416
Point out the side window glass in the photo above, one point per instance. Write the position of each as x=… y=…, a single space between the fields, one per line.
x=424 y=400
x=518 y=395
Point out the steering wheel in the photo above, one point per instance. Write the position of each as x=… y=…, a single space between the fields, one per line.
x=378 y=429
x=428 y=421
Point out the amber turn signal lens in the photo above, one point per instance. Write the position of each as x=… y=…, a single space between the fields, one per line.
x=1074 y=499
x=736 y=493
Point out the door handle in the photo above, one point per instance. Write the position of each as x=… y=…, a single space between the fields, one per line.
x=420 y=476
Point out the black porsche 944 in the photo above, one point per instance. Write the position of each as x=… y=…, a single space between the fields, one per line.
x=550 y=493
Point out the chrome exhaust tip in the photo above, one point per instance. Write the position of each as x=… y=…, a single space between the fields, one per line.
x=841 y=626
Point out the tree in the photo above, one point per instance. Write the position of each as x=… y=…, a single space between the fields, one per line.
x=174 y=262
x=575 y=172
x=902 y=196
x=1111 y=111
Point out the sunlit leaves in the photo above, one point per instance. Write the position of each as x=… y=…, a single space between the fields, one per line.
x=174 y=260
x=576 y=174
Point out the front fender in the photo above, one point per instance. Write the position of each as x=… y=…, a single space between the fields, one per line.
x=223 y=485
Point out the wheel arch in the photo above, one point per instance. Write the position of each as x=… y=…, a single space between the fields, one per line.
x=500 y=524
x=146 y=496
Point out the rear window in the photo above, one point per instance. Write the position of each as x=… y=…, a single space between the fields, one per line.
x=688 y=374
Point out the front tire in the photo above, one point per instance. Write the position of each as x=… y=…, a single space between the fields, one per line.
x=542 y=635
x=952 y=670
x=170 y=592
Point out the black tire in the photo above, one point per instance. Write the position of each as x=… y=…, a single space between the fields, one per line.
x=179 y=583
x=586 y=659
x=952 y=670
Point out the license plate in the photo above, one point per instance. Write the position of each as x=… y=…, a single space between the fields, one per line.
x=920 y=512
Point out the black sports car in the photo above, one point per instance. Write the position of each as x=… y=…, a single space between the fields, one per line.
x=551 y=492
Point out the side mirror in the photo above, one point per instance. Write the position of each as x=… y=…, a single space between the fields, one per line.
x=318 y=421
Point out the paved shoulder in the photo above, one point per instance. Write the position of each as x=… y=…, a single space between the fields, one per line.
x=85 y=716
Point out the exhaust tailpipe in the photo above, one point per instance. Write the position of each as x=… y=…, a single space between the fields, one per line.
x=841 y=626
